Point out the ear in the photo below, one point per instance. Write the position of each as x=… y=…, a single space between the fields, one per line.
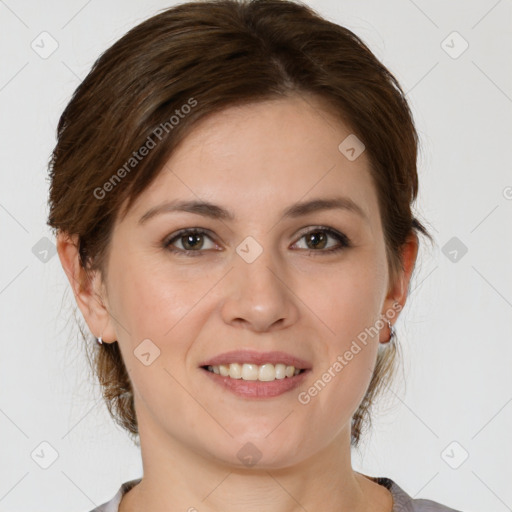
x=87 y=288
x=399 y=289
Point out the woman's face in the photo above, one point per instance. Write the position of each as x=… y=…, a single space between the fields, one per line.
x=256 y=281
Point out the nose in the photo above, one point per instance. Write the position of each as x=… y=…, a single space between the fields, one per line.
x=259 y=296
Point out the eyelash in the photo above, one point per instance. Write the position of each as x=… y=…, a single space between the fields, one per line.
x=344 y=241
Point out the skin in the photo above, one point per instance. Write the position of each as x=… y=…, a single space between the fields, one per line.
x=311 y=304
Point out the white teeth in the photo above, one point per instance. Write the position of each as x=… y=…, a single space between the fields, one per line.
x=280 y=371
x=248 y=371
x=266 y=372
x=234 y=371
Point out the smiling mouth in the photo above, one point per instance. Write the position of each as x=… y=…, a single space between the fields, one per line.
x=252 y=372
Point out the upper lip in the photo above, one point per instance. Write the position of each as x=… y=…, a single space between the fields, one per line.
x=259 y=358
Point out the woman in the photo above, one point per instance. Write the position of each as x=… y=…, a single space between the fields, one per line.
x=231 y=193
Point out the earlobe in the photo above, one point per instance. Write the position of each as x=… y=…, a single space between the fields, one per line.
x=86 y=288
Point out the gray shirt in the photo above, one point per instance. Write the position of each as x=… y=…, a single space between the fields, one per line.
x=402 y=502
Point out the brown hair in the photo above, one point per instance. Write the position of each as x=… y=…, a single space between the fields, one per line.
x=193 y=60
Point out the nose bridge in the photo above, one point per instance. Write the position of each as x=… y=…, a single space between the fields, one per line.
x=259 y=295
x=259 y=267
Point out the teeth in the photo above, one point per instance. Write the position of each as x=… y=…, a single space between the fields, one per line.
x=248 y=371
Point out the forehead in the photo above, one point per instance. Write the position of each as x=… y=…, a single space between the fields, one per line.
x=263 y=154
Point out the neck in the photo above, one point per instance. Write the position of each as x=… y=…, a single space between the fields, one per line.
x=178 y=478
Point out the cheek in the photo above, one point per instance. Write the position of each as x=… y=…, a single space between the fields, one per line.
x=349 y=304
x=148 y=300
x=154 y=308
x=347 y=299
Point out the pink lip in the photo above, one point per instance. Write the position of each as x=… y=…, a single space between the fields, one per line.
x=259 y=358
x=255 y=389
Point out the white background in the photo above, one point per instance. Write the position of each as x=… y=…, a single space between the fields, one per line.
x=455 y=330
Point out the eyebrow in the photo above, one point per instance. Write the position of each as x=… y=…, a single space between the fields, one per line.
x=214 y=211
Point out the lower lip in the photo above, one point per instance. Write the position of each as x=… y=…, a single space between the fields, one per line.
x=256 y=388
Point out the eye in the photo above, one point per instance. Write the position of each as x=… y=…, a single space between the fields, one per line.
x=316 y=240
x=190 y=239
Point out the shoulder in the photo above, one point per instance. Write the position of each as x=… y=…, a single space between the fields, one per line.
x=113 y=504
x=403 y=502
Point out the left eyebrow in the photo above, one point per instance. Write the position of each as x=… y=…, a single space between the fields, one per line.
x=214 y=211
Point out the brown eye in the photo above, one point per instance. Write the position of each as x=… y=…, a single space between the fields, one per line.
x=191 y=241
x=317 y=240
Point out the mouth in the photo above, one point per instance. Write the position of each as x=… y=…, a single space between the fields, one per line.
x=246 y=360
x=267 y=372
x=246 y=382
x=251 y=374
